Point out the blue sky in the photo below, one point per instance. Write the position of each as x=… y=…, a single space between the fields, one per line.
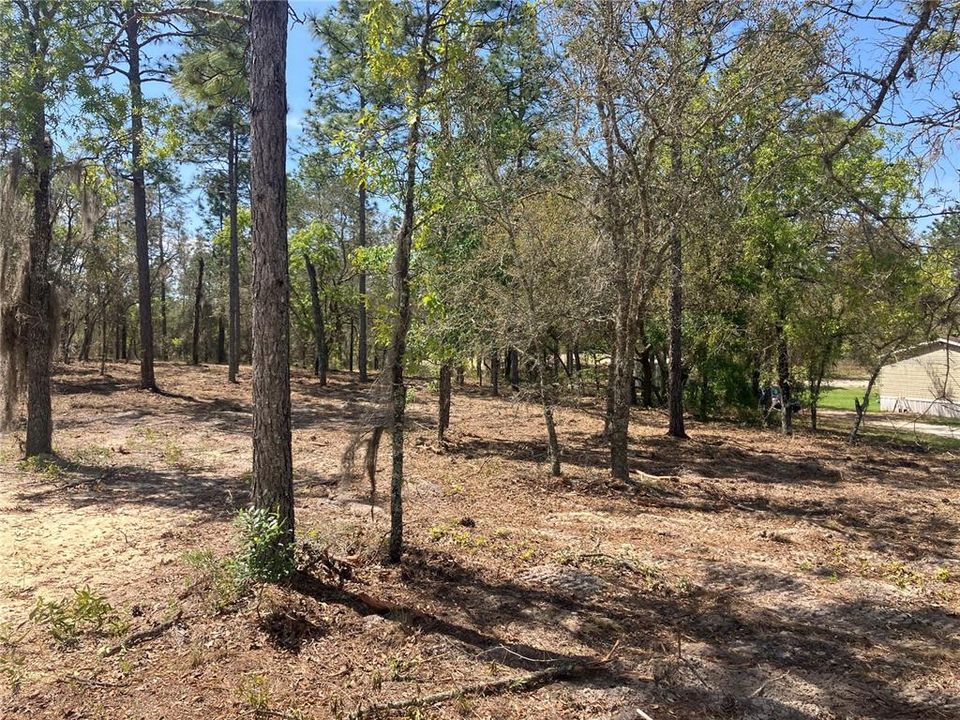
x=300 y=48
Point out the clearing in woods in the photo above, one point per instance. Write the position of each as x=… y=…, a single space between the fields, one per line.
x=741 y=575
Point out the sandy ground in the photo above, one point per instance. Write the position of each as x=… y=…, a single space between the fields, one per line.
x=738 y=575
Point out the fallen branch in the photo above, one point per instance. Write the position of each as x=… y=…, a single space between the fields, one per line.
x=142 y=635
x=563 y=671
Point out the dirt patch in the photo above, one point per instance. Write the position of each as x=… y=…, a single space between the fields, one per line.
x=740 y=575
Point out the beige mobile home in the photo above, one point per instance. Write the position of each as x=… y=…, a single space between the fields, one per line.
x=923 y=379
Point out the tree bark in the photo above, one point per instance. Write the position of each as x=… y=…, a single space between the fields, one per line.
x=319 y=331
x=783 y=381
x=233 y=357
x=39 y=343
x=221 y=340
x=401 y=324
x=272 y=458
x=147 y=379
x=553 y=442
x=197 y=312
x=162 y=262
x=443 y=416
x=861 y=406
x=362 y=306
x=495 y=372
x=675 y=377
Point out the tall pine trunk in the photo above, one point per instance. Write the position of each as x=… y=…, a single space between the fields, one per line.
x=272 y=458
x=147 y=379
x=233 y=358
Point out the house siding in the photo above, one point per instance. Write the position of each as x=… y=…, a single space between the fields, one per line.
x=925 y=383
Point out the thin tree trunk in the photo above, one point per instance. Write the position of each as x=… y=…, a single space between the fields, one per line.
x=783 y=381
x=495 y=372
x=553 y=442
x=272 y=458
x=103 y=342
x=362 y=306
x=443 y=416
x=861 y=406
x=514 y=358
x=233 y=357
x=675 y=378
x=38 y=301
x=398 y=391
x=221 y=340
x=162 y=262
x=319 y=332
x=147 y=379
x=197 y=312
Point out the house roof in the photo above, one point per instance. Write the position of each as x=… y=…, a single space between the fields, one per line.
x=924 y=348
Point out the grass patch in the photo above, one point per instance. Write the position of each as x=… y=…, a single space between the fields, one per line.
x=842 y=398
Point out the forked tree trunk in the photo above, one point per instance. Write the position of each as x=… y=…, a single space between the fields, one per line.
x=272 y=460
x=319 y=332
x=197 y=312
x=443 y=416
x=147 y=379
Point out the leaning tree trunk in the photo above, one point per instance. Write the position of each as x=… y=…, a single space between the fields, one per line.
x=38 y=296
x=553 y=443
x=443 y=416
x=147 y=379
x=197 y=312
x=272 y=458
x=861 y=406
x=320 y=334
x=233 y=358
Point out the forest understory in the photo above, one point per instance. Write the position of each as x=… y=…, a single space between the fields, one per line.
x=739 y=574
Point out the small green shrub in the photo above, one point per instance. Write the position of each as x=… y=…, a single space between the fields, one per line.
x=218 y=578
x=12 y=661
x=86 y=613
x=265 y=555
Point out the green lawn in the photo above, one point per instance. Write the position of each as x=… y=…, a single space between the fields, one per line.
x=837 y=398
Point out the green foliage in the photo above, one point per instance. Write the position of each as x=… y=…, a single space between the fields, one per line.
x=217 y=578
x=264 y=554
x=86 y=613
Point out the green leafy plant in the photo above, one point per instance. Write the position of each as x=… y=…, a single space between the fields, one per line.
x=265 y=555
x=217 y=578
x=86 y=613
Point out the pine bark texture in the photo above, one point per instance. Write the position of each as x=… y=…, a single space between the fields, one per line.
x=147 y=379
x=272 y=458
